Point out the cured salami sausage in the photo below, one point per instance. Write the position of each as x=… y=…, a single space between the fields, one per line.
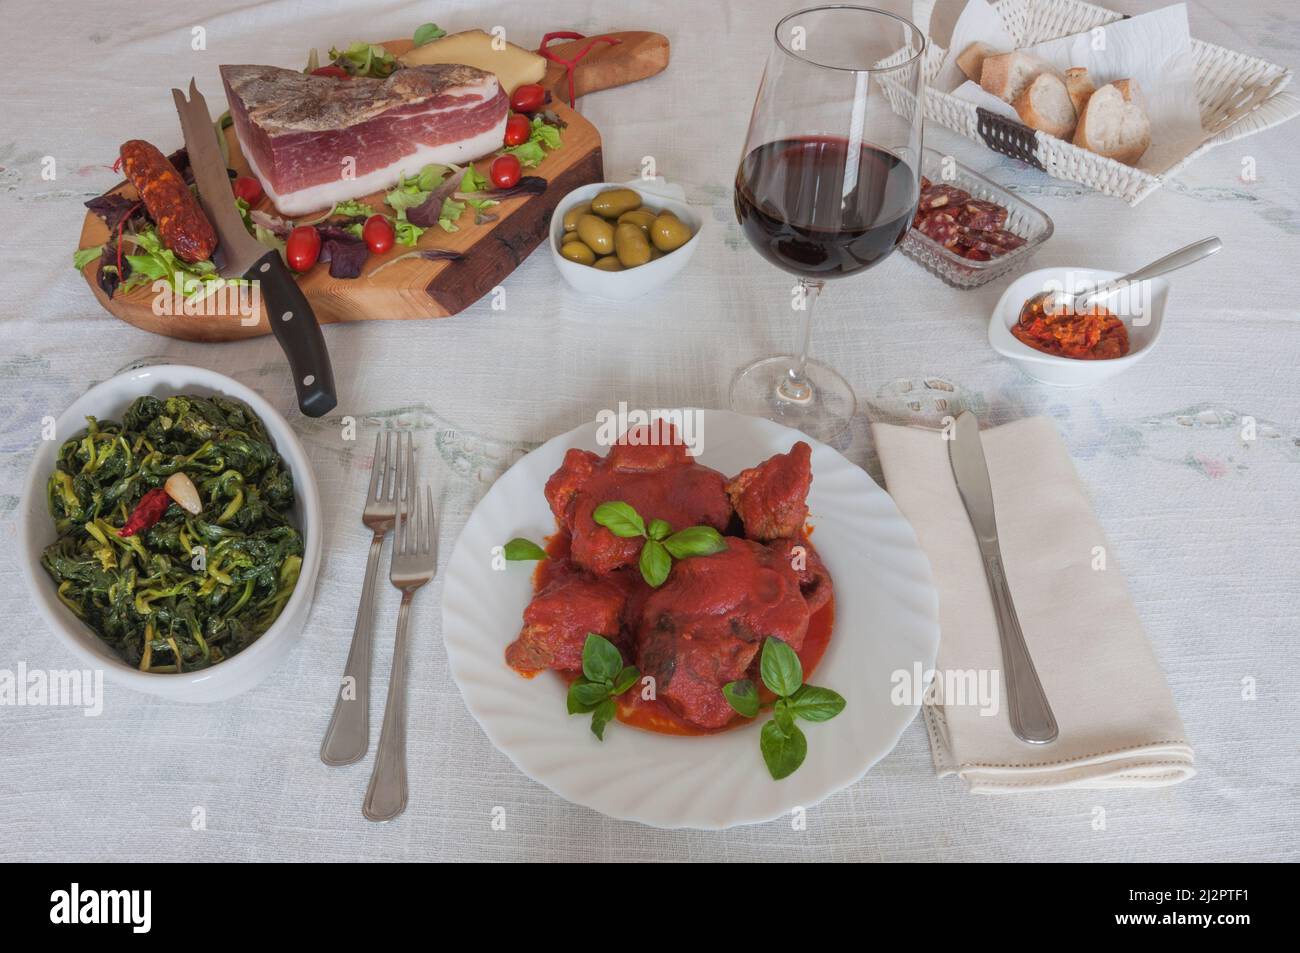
x=993 y=241
x=939 y=226
x=941 y=196
x=182 y=225
x=977 y=213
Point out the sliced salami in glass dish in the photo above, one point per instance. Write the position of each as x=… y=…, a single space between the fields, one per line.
x=969 y=230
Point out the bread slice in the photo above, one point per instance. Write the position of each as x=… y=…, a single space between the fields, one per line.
x=1045 y=104
x=1080 y=86
x=1112 y=127
x=1131 y=91
x=971 y=61
x=1006 y=75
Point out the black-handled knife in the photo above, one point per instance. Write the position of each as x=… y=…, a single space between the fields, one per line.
x=240 y=255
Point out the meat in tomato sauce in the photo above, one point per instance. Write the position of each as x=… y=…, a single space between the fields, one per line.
x=705 y=626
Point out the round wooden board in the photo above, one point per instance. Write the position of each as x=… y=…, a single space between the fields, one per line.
x=410 y=289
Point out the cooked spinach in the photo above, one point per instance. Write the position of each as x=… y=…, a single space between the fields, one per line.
x=192 y=589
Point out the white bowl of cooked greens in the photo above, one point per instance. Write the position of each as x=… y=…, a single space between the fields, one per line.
x=172 y=533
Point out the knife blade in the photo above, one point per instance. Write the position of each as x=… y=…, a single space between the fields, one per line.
x=1031 y=715
x=240 y=255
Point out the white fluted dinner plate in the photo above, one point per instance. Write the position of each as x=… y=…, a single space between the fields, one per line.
x=886 y=621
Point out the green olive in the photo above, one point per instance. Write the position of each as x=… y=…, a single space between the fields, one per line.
x=669 y=232
x=608 y=263
x=572 y=215
x=597 y=233
x=577 y=251
x=614 y=202
x=631 y=245
x=643 y=218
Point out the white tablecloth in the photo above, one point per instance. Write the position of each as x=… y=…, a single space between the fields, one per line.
x=1204 y=525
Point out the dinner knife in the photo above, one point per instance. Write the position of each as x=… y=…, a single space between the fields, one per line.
x=1031 y=715
x=240 y=255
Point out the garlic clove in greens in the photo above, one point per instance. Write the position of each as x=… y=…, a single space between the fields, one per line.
x=181 y=489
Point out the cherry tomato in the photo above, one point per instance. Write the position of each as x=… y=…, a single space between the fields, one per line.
x=518 y=129
x=527 y=98
x=338 y=72
x=378 y=234
x=505 y=172
x=247 y=188
x=302 y=247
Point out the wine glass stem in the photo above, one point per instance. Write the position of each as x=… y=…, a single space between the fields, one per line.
x=795 y=387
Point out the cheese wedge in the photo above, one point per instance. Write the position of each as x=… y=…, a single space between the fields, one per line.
x=513 y=65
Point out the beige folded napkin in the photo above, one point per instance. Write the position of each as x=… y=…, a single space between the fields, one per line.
x=1118 y=725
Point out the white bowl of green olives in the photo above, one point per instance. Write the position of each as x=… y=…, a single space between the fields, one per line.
x=622 y=241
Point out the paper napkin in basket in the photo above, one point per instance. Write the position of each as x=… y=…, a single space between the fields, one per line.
x=1118 y=724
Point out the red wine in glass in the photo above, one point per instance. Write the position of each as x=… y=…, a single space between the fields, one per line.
x=809 y=207
x=827 y=185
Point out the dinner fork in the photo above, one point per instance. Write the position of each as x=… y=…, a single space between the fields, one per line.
x=414 y=564
x=348 y=737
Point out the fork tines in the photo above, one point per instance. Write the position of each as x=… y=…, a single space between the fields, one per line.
x=417 y=541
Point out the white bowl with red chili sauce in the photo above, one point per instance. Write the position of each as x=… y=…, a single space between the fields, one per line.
x=1140 y=308
x=237 y=674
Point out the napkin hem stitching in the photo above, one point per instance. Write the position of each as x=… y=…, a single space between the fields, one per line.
x=1099 y=754
x=940 y=753
x=1128 y=776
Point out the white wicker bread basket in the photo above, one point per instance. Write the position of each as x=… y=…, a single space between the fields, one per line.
x=1239 y=96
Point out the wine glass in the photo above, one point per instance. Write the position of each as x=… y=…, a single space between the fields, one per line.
x=827 y=184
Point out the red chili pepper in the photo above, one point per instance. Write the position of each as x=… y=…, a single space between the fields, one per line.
x=147 y=512
x=571 y=66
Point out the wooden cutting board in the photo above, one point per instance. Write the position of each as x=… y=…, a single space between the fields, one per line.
x=415 y=288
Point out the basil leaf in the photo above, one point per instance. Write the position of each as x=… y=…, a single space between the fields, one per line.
x=588 y=694
x=603 y=715
x=782 y=752
x=780 y=667
x=816 y=704
x=625 y=680
x=585 y=695
x=695 y=541
x=655 y=563
x=426 y=32
x=601 y=660
x=658 y=529
x=522 y=550
x=620 y=519
x=742 y=695
x=782 y=716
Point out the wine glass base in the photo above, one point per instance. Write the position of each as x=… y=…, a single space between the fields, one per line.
x=824 y=416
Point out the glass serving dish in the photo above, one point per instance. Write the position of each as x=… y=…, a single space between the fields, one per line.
x=1028 y=221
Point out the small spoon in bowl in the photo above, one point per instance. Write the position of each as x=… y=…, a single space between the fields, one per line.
x=1056 y=301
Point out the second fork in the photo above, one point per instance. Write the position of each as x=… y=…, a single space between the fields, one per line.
x=414 y=564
